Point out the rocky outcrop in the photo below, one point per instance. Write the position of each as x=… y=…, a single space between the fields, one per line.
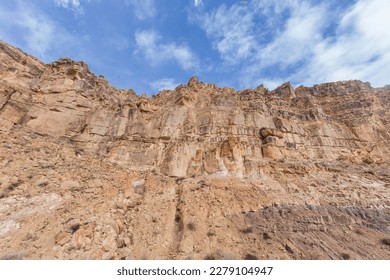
x=195 y=172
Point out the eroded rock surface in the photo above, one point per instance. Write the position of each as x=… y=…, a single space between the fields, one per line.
x=200 y=172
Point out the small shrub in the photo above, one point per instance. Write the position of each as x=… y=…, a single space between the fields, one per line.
x=177 y=218
x=75 y=227
x=209 y=257
x=385 y=241
x=179 y=222
x=266 y=236
x=289 y=249
x=13 y=186
x=250 y=257
x=345 y=256
x=191 y=226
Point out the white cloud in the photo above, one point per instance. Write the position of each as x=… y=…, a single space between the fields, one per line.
x=361 y=48
x=166 y=83
x=36 y=32
x=302 y=41
x=148 y=43
x=302 y=31
x=198 y=3
x=143 y=9
x=68 y=3
x=41 y=32
x=73 y=5
x=230 y=31
x=182 y=54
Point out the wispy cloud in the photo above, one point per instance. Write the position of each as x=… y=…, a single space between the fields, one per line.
x=281 y=55
x=230 y=30
x=302 y=31
x=74 y=5
x=120 y=43
x=304 y=41
x=165 y=83
x=143 y=9
x=198 y=3
x=360 y=49
x=35 y=31
x=156 y=52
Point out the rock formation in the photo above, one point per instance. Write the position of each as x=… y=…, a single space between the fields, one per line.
x=199 y=172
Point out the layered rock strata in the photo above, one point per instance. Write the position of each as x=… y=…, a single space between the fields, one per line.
x=199 y=172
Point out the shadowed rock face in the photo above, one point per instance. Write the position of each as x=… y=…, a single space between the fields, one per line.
x=91 y=172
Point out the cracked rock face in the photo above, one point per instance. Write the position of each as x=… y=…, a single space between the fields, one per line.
x=200 y=172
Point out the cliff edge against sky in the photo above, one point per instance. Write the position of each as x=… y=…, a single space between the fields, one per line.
x=200 y=172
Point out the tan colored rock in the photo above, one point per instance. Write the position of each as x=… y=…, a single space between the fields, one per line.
x=89 y=171
x=138 y=186
x=62 y=238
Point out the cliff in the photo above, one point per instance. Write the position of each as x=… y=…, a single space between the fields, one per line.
x=92 y=172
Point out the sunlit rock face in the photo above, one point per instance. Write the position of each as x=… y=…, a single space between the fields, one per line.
x=93 y=172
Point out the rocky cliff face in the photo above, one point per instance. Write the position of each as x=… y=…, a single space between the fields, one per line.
x=89 y=171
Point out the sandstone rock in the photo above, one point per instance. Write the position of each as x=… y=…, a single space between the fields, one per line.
x=128 y=192
x=8 y=226
x=42 y=182
x=109 y=243
x=70 y=184
x=285 y=91
x=267 y=132
x=62 y=238
x=198 y=172
x=139 y=186
x=79 y=239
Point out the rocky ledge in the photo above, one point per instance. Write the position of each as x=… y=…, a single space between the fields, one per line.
x=199 y=172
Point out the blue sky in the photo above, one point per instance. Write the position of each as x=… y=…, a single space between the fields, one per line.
x=149 y=45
